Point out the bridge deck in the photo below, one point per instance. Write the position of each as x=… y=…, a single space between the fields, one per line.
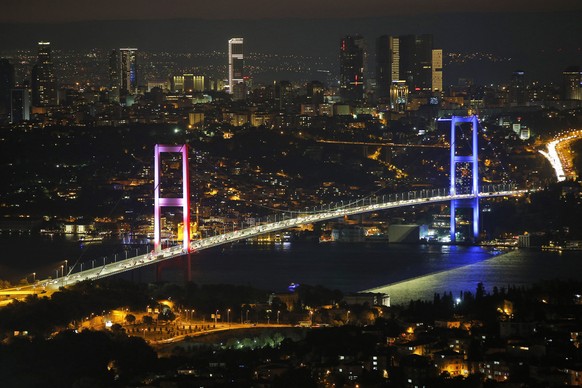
x=287 y=220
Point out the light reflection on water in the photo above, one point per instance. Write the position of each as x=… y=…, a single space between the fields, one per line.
x=403 y=271
x=516 y=268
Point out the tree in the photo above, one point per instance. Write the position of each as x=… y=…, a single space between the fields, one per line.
x=130 y=318
x=148 y=320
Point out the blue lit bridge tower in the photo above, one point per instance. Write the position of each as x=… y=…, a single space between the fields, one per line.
x=464 y=173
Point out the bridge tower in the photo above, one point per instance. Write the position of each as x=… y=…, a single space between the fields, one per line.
x=455 y=183
x=184 y=201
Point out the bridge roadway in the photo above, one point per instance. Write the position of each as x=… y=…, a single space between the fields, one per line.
x=280 y=222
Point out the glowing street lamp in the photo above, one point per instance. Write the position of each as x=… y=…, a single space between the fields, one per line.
x=228 y=317
x=278 y=313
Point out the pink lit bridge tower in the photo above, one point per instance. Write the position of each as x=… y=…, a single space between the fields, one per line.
x=183 y=202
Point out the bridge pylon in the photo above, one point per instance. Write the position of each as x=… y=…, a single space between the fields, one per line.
x=456 y=181
x=183 y=202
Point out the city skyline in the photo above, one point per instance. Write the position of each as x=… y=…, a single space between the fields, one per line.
x=537 y=42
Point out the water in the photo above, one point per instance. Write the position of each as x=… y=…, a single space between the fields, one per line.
x=403 y=271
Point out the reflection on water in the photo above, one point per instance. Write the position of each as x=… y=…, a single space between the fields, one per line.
x=520 y=268
x=403 y=271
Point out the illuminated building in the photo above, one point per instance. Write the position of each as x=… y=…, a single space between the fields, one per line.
x=315 y=92
x=128 y=63
x=408 y=58
x=352 y=68
x=398 y=96
x=416 y=61
x=572 y=83
x=235 y=64
x=437 y=70
x=114 y=80
x=44 y=82
x=387 y=64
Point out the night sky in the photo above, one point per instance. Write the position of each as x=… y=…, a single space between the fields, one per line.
x=74 y=10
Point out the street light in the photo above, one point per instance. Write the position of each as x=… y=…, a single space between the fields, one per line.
x=247 y=316
x=215 y=317
x=67 y=266
x=228 y=317
x=348 y=317
x=278 y=313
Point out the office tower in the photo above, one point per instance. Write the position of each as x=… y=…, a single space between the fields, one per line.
x=517 y=88
x=128 y=71
x=572 y=83
x=6 y=85
x=44 y=82
x=352 y=68
x=19 y=105
x=437 y=70
x=114 y=76
x=416 y=61
x=387 y=64
x=235 y=65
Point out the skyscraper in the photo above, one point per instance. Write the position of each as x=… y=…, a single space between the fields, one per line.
x=352 y=68
x=114 y=78
x=410 y=59
x=44 y=82
x=437 y=70
x=6 y=85
x=128 y=71
x=235 y=64
x=387 y=64
x=416 y=61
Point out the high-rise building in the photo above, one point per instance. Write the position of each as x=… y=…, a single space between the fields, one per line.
x=352 y=68
x=19 y=105
x=235 y=64
x=44 y=82
x=517 y=92
x=437 y=70
x=416 y=61
x=408 y=58
x=387 y=64
x=114 y=76
x=572 y=83
x=6 y=85
x=128 y=71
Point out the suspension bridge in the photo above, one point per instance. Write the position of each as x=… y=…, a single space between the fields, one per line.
x=457 y=196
